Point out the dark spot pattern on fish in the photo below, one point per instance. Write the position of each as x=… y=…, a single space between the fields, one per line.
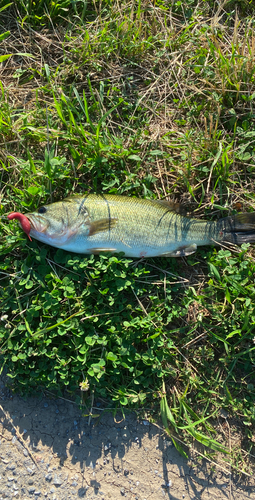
x=162 y=217
x=169 y=227
x=109 y=211
x=83 y=210
x=64 y=205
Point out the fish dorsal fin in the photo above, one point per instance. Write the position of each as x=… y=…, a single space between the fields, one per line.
x=174 y=207
x=101 y=225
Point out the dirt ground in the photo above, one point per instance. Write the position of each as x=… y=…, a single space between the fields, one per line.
x=48 y=450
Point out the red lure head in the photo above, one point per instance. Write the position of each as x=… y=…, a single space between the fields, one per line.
x=24 y=222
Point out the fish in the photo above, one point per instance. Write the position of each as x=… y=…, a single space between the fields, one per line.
x=96 y=223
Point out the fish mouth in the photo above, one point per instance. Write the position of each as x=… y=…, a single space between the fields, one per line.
x=38 y=224
x=43 y=230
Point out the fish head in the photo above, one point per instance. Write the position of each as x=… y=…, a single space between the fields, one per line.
x=56 y=223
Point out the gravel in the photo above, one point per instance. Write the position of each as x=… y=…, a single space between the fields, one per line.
x=114 y=459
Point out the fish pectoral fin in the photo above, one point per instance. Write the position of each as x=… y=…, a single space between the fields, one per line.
x=183 y=251
x=96 y=250
x=101 y=225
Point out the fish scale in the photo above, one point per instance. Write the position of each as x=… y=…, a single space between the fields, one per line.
x=144 y=226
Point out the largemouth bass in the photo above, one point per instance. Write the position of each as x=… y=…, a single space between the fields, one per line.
x=138 y=227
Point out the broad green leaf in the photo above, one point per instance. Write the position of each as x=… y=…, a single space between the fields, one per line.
x=214 y=271
x=166 y=413
x=111 y=356
x=179 y=448
x=4 y=57
x=134 y=157
x=210 y=443
x=33 y=190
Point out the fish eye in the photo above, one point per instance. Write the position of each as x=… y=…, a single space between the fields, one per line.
x=42 y=210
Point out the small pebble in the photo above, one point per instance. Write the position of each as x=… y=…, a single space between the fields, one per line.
x=10 y=466
x=125 y=434
x=82 y=492
x=223 y=413
x=57 y=481
x=167 y=485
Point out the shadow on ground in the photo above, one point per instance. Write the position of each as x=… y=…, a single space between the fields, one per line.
x=49 y=450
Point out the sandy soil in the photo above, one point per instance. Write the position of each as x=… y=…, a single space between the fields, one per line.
x=48 y=450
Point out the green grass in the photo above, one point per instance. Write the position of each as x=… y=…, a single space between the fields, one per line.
x=147 y=101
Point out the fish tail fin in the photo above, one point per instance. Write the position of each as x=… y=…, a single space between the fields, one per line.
x=237 y=229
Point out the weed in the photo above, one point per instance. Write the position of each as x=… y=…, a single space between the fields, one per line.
x=149 y=101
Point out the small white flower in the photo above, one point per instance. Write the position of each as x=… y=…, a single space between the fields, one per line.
x=84 y=386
